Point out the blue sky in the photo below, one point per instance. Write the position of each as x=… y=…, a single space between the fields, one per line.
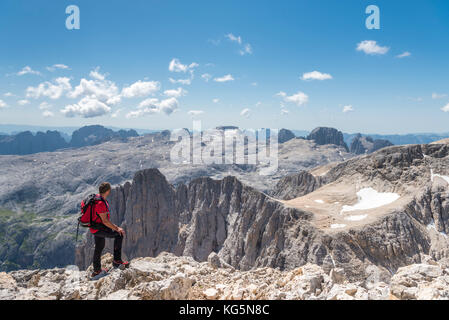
x=240 y=63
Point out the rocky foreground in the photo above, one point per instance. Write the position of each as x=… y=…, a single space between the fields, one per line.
x=170 y=277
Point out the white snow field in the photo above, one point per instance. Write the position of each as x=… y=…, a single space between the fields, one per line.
x=368 y=198
x=357 y=218
x=434 y=175
x=337 y=226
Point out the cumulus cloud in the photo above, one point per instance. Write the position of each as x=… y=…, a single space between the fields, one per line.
x=53 y=90
x=216 y=100
x=316 y=75
x=23 y=102
x=348 y=108
x=27 y=70
x=141 y=89
x=3 y=104
x=57 y=66
x=155 y=106
x=245 y=112
x=87 y=107
x=95 y=74
x=186 y=82
x=48 y=114
x=176 y=66
x=225 y=78
x=206 y=77
x=8 y=94
x=245 y=48
x=438 y=96
x=404 y=55
x=175 y=92
x=116 y=113
x=284 y=111
x=103 y=90
x=194 y=113
x=298 y=98
x=445 y=108
x=371 y=47
x=231 y=37
x=45 y=105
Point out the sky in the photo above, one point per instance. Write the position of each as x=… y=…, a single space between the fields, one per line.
x=255 y=64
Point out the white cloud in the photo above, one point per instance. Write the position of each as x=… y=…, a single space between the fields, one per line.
x=404 y=55
x=23 y=102
x=57 y=66
x=445 y=108
x=206 y=77
x=316 y=75
x=45 y=105
x=231 y=37
x=88 y=107
x=371 y=47
x=3 y=104
x=216 y=100
x=225 y=78
x=97 y=75
x=245 y=112
x=258 y=104
x=48 y=89
x=284 y=112
x=176 y=66
x=116 y=113
x=298 y=98
x=247 y=49
x=27 y=70
x=8 y=94
x=186 y=82
x=141 y=89
x=175 y=92
x=103 y=90
x=48 y=114
x=254 y=84
x=154 y=106
x=438 y=95
x=348 y=108
x=194 y=113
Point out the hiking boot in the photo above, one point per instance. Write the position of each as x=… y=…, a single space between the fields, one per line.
x=99 y=272
x=120 y=264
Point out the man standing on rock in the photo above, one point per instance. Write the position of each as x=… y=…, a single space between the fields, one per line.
x=104 y=228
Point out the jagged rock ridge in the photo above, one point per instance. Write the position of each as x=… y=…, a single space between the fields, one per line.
x=365 y=144
x=324 y=135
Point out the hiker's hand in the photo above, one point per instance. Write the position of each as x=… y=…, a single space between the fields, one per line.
x=121 y=231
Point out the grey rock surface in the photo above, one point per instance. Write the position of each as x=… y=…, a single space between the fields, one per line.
x=364 y=145
x=324 y=135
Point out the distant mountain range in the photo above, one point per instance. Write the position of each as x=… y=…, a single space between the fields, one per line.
x=28 y=143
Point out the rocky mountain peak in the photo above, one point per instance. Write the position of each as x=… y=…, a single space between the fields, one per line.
x=325 y=135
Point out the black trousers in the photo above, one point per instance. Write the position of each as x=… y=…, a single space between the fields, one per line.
x=102 y=233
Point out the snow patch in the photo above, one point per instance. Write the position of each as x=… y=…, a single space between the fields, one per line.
x=357 y=218
x=337 y=226
x=319 y=201
x=434 y=175
x=431 y=226
x=368 y=198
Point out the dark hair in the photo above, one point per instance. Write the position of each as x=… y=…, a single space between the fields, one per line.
x=104 y=187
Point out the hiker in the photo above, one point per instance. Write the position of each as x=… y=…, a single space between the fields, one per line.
x=104 y=228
